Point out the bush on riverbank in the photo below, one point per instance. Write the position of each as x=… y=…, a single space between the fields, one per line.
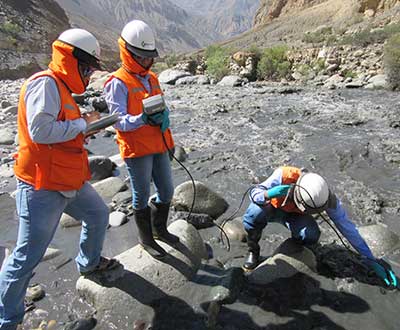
x=217 y=61
x=274 y=64
x=392 y=61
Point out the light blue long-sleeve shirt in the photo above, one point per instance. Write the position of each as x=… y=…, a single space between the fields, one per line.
x=116 y=96
x=338 y=214
x=43 y=104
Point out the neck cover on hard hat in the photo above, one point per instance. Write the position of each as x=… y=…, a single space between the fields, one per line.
x=128 y=62
x=65 y=66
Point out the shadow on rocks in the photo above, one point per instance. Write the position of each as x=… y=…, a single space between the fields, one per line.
x=294 y=297
x=170 y=312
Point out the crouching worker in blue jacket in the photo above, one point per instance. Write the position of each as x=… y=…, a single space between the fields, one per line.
x=290 y=196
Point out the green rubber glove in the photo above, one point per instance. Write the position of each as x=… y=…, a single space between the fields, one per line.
x=278 y=191
x=153 y=120
x=383 y=270
x=165 y=122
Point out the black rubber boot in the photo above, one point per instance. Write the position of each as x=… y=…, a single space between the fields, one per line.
x=143 y=222
x=159 y=217
x=253 y=258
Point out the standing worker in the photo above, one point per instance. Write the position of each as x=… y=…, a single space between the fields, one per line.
x=143 y=139
x=52 y=170
x=290 y=196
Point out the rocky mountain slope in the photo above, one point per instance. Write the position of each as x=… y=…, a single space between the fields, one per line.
x=226 y=17
x=27 y=29
x=175 y=29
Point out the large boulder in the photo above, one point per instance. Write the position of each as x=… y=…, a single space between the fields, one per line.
x=170 y=76
x=207 y=201
x=380 y=239
x=133 y=292
x=288 y=260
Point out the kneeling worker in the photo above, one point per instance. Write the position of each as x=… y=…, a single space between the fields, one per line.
x=290 y=196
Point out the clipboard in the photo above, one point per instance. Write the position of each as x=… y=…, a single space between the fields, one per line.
x=101 y=123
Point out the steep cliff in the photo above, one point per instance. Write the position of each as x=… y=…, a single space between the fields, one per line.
x=27 y=29
x=272 y=9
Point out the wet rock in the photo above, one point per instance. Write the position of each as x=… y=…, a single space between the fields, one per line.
x=193 y=80
x=35 y=292
x=7 y=135
x=197 y=220
x=107 y=188
x=235 y=231
x=377 y=82
x=180 y=154
x=51 y=253
x=143 y=281
x=229 y=287
x=99 y=104
x=79 y=98
x=4 y=104
x=117 y=219
x=170 y=76
x=122 y=197
x=12 y=110
x=67 y=221
x=101 y=167
x=82 y=324
x=207 y=201
x=288 y=260
x=231 y=81
x=380 y=239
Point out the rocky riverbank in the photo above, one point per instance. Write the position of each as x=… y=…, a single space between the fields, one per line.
x=234 y=137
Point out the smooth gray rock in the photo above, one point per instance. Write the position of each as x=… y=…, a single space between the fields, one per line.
x=380 y=239
x=170 y=76
x=231 y=81
x=101 y=167
x=107 y=188
x=67 y=221
x=207 y=201
x=288 y=260
x=235 y=231
x=117 y=219
x=144 y=280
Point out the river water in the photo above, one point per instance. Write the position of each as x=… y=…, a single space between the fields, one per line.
x=235 y=137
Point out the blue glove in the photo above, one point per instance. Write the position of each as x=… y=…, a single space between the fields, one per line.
x=383 y=270
x=153 y=120
x=278 y=191
x=165 y=122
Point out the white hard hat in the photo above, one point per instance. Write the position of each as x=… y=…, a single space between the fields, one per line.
x=139 y=39
x=311 y=192
x=87 y=48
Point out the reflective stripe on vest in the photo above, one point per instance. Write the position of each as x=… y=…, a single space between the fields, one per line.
x=59 y=166
x=290 y=175
x=145 y=140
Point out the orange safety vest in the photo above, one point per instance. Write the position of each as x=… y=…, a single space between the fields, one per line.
x=59 y=166
x=290 y=175
x=146 y=139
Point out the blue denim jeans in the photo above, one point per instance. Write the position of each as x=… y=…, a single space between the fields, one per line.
x=302 y=226
x=142 y=170
x=39 y=213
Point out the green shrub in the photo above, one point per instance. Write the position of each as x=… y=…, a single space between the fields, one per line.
x=159 y=67
x=274 y=64
x=369 y=36
x=10 y=28
x=391 y=61
x=323 y=35
x=171 y=60
x=256 y=51
x=319 y=65
x=217 y=61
